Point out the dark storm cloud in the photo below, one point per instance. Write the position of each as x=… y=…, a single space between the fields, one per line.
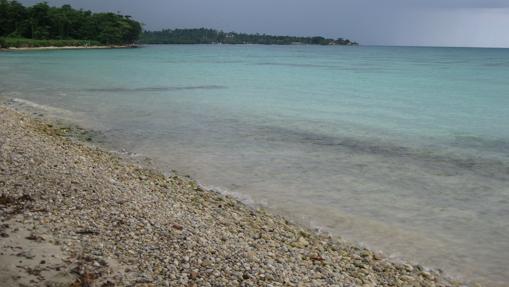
x=389 y=22
x=473 y=4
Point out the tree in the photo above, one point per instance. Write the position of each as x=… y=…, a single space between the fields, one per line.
x=41 y=21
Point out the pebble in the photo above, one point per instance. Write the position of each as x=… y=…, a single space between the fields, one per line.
x=133 y=212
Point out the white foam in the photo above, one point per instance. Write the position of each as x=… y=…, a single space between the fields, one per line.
x=46 y=108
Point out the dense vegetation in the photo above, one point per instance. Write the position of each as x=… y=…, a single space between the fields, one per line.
x=210 y=36
x=40 y=23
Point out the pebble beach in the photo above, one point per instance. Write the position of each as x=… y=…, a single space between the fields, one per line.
x=74 y=214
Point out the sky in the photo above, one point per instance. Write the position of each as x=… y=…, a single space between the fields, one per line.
x=470 y=23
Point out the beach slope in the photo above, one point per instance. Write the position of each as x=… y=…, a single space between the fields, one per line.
x=73 y=214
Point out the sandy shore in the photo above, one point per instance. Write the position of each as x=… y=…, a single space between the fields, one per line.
x=68 y=48
x=75 y=215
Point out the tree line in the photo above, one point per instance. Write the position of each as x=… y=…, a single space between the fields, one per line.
x=42 y=22
x=211 y=36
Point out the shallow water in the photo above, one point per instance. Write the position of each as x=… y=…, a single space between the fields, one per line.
x=402 y=149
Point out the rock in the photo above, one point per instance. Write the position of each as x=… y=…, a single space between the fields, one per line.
x=317 y=258
x=408 y=267
x=177 y=227
x=378 y=255
x=426 y=275
x=193 y=275
x=34 y=237
x=300 y=243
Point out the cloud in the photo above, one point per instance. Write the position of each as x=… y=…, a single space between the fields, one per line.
x=459 y=4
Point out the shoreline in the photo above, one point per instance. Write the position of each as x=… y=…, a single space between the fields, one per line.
x=116 y=219
x=69 y=48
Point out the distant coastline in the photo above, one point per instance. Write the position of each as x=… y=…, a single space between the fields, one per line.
x=43 y=27
x=211 y=36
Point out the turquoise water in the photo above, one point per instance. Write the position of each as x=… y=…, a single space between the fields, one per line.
x=405 y=150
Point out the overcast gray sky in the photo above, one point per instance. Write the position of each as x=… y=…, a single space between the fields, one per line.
x=482 y=23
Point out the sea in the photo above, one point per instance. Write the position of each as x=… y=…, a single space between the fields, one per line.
x=401 y=149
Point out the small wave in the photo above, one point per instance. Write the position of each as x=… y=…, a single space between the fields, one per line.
x=327 y=67
x=156 y=89
x=501 y=64
x=244 y=198
x=297 y=65
x=30 y=104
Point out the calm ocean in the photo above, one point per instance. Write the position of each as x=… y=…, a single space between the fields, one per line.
x=405 y=150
